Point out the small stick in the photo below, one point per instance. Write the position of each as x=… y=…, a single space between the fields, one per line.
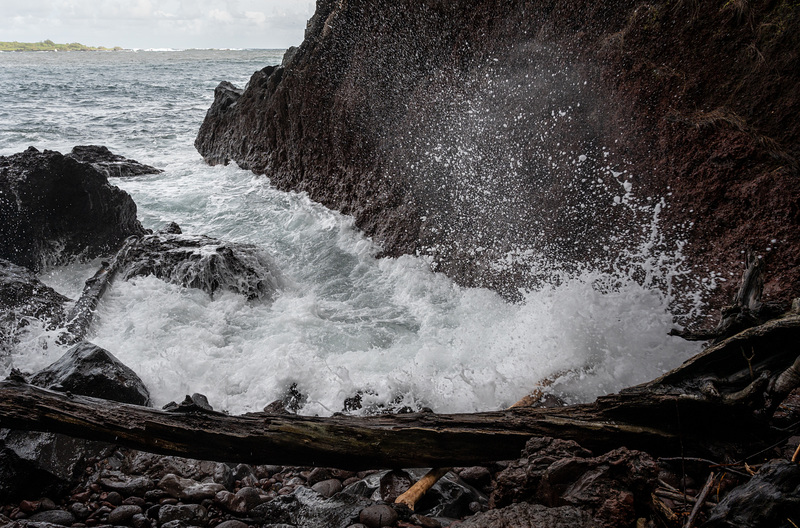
x=664 y=510
x=415 y=492
x=700 y=500
x=678 y=496
x=796 y=454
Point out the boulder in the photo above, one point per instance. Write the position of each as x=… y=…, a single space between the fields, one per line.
x=36 y=464
x=197 y=261
x=110 y=164
x=43 y=464
x=54 y=208
x=92 y=371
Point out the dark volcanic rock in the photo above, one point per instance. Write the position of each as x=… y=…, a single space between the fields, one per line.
x=41 y=464
x=54 y=208
x=205 y=263
x=560 y=473
x=110 y=164
x=480 y=133
x=526 y=515
x=35 y=464
x=24 y=297
x=306 y=509
x=770 y=498
x=449 y=497
x=92 y=371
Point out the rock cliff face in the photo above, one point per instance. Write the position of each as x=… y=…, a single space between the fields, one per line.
x=498 y=137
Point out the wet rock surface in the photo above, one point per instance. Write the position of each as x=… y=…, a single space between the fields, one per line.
x=567 y=486
x=110 y=164
x=54 y=208
x=524 y=515
x=93 y=371
x=197 y=261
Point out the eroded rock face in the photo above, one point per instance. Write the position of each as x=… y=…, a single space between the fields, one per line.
x=92 y=371
x=54 y=208
x=110 y=164
x=197 y=261
x=482 y=134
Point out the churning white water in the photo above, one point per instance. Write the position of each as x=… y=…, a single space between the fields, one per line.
x=346 y=322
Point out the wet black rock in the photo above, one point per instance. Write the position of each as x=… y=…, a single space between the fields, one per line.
x=23 y=298
x=54 y=208
x=60 y=517
x=557 y=472
x=770 y=498
x=194 y=513
x=41 y=464
x=524 y=515
x=328 y=488
x=450 y=497
x=304 y=508
x=197 y=261
x=110 y=164
x=378 y=515
x=36 y=464
x=123 y=514
x=89 y=370
x=232 y=524
x=128 y=486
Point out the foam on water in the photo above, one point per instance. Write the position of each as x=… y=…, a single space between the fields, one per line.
x=345 y=322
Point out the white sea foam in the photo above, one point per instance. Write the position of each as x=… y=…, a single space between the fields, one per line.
x=389 y=328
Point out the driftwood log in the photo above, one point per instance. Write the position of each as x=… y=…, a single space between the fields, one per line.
x=710 y=405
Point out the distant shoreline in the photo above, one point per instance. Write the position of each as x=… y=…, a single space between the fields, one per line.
x=49 y=45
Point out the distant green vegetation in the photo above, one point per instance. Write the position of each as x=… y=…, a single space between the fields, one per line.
x=49 y=45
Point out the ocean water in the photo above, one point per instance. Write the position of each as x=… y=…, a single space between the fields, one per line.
x=346 y=322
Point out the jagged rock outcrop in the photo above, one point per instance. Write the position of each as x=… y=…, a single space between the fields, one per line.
x=198 y=261
x=482 y=134
x=54 y=208
x=110 y=164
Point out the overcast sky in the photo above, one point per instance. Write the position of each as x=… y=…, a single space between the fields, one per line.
x=158 y=23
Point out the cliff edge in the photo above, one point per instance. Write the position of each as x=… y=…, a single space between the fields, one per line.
x=501 y=138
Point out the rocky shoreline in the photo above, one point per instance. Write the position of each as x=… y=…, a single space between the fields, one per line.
x=49 y=480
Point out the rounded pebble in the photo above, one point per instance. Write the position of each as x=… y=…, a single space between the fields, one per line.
x=61 y=517
x=231 y=524
x=327 y=488
x=378 y=515
x=123 y=514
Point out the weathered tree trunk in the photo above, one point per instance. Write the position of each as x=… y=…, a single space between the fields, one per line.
x=705 y=407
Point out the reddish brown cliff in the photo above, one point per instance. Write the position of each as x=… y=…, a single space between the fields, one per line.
x=480 y=131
